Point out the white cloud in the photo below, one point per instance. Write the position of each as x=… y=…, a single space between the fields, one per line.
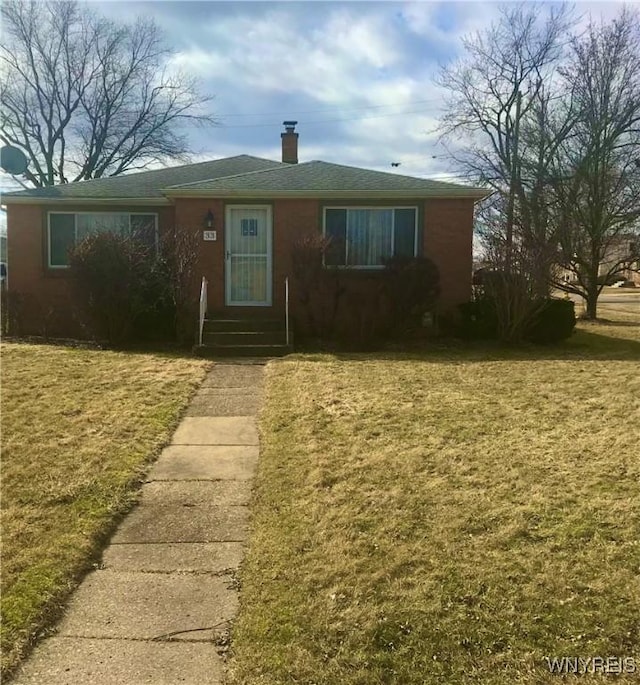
x=354 y=38
x=273 y=53
x=445 y=24
x=350 y=63
x=358 y=76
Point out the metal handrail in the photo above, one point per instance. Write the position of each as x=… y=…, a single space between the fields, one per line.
x=203 y=308
x=286 y=306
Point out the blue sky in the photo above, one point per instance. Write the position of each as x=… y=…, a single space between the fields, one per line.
x=358 y=76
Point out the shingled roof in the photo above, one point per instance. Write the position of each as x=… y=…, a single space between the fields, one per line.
x=321 y=178
x=145 y=184
x=247 y=176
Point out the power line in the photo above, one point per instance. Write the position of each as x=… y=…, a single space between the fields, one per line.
x=328 y=121
x=322 y=111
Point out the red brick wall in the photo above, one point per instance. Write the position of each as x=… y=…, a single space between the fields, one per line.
x=290 y=219
x=190 y=215
x=447 y=239
x=39 y=296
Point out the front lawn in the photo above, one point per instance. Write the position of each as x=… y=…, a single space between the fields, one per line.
x=78 y=430
x=452 y=517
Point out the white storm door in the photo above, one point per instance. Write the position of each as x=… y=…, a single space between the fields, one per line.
x=248 y=239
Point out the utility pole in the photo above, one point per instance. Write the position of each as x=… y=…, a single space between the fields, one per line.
x=512 y=186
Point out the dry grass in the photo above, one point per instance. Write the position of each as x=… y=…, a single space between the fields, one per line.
x=452 y=517
x=618 y=325
x=79 y=428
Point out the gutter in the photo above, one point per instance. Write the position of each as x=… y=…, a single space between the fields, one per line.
x=129 y=201
x=475 y=194
x=465 y=193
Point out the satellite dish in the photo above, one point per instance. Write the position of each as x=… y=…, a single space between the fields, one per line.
x=13 y=160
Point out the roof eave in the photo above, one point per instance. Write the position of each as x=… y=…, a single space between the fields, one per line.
x=138 y=201
x=466 y=193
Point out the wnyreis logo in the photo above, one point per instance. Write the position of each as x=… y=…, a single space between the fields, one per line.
x=580 y=665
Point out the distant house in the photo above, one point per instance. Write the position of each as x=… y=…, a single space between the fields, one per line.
x=250 y=211
x=620 y=256
x=3 y=236
x=620 y=251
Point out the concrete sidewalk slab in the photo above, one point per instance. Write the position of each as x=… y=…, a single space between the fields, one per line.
x=166 y=591
x=228 y=392
x=200 y=557
x=207 y=430
x=208 y=404
x=81 y=661
x=195 y=462
x=146 y=606
x=234 y=376
x=195 y=493
x=183 y=524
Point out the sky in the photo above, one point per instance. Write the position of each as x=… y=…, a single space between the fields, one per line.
x=357 y=76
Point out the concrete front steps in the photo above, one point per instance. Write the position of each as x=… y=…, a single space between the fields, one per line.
x=255 y=337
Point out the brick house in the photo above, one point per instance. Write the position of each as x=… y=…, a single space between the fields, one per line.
x=250 y=212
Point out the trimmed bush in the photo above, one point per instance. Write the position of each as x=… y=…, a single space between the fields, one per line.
x=553 y=322
x=477 y=320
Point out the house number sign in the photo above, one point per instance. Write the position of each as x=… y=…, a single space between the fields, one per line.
x=210 y=235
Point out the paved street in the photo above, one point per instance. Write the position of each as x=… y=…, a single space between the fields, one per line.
x=621 y=300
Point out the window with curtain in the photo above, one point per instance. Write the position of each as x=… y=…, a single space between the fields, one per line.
x=67 y=230
x=366 y=236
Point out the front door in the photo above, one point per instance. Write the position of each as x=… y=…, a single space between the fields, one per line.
x=248 y=256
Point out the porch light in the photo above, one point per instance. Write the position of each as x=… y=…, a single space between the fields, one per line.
x=208 y=220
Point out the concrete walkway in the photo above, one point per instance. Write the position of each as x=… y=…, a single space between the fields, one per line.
x=158 y=609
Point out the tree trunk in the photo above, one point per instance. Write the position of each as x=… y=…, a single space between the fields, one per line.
x=591 y=297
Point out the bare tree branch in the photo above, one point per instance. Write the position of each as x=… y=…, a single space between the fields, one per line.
x=598 y=192
x=87 y=97
x=552 y=123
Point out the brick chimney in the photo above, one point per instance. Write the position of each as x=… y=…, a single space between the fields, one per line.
x=289 y=143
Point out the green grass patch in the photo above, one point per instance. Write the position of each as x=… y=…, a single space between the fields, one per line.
x=451 y=517
x=79 y=428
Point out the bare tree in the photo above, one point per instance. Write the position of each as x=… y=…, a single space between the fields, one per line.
x=501 y=105
x=87 y=97
x=499 y=94
x=179 y=254
x=507 y=279
x=596 y=177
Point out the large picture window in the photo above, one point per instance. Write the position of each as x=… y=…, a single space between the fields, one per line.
x=67 y=230
x=363 y=237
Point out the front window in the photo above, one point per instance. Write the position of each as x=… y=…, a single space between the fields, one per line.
x=364 y=237
x=67 y=230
